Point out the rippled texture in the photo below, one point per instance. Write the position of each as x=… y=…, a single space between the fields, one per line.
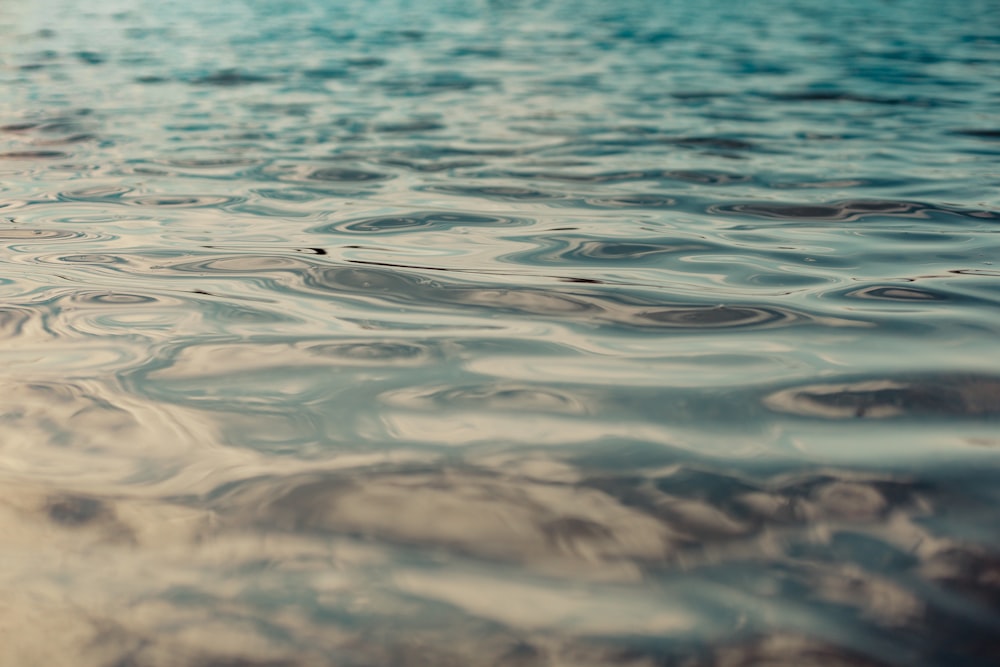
x=500 y=333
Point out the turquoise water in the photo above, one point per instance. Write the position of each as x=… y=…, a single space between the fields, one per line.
x=522 y=333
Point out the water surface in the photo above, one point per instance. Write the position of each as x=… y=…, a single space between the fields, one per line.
x=499 y=333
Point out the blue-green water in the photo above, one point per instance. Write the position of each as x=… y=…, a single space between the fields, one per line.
x=523 y=333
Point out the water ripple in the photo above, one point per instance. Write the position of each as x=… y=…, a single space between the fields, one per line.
x=180 y=201
x=574 y=305
x=417 y=221
x=936 y=396
x=852 y=211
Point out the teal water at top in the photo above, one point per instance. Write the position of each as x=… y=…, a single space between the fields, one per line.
x=507 y=333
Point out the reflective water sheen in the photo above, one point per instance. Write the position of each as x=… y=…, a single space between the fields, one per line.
x=498 y=333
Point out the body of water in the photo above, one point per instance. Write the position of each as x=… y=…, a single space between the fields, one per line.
x=499 y=333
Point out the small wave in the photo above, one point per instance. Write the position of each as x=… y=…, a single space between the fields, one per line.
x=333 y=174
x=497 y=192
x=231 y=77
x=850 y=211
x=417 y=221
x=33 y=155
x=41 y=235
x=650 y=201
x=943 y=396
x=238 y=264
x=180 y=200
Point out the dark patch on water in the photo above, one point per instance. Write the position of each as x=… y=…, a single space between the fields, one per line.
x=329 y=72
x=91 y=57
x=73 y=511
x=720 y=143
x=650 y=201
x=114 y=298
x=844 y=96
x=179 y=201
x=580 y=307
x=686 y=176
x=435 y=84
x=18 y=127
x=231 y=77
x=406 y=127
x=497 y=192
x=373 y=351
x=443 y=220
x=717 y=316
x=367 y=62
x=990 y=135
x=12 y=321
x=589 y=249
x=852 y=211
x=32 y=155
x=335 y=174
x=943 y=396
x=900 y=294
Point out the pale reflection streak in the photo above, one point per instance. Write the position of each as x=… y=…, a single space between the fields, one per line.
x=545 y=605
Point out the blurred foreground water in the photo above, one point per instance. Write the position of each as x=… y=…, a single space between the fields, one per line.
x=504 y=334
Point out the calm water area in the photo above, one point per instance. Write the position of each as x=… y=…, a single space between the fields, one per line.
x=499 y=333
